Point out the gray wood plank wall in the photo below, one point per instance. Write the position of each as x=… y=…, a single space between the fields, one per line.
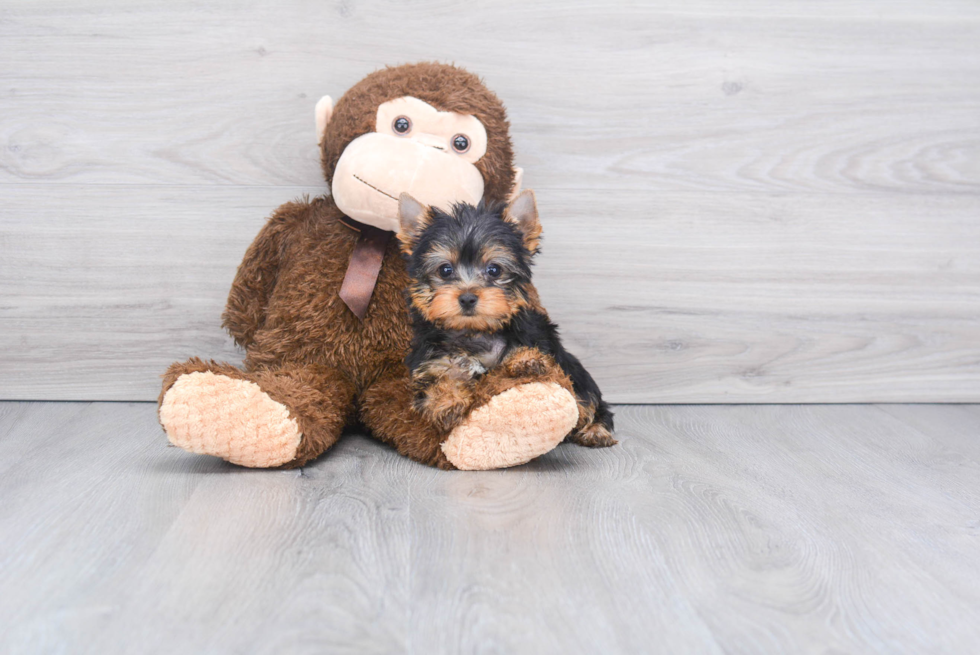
x=743 y=202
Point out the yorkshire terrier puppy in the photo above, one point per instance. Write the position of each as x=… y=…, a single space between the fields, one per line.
x=474 y=309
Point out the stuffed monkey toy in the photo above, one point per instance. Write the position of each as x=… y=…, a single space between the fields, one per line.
x=319 y=303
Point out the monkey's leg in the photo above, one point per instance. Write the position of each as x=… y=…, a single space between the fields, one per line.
x=515 y=420
x=523 y=409
x=387 y=408
x=285 y=416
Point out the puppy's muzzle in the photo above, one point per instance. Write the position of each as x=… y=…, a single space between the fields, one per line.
x=467 y=302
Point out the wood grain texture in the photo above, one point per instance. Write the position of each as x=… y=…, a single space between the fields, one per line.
x=743 y=203
x=735 y=529
x=823 y=300
x=692 y=96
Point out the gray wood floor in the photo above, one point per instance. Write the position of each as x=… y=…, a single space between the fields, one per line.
x=736 y=529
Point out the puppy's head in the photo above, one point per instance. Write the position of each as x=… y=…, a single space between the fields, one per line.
x=470 y=268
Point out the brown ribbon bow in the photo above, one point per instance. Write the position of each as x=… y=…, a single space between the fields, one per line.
x=364 y=267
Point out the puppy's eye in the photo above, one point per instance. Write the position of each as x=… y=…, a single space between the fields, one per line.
x=446 y=271
x=461 y=143
x=402 y=125
x=493 y=270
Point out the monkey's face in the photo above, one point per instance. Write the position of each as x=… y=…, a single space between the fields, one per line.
x=415 y=149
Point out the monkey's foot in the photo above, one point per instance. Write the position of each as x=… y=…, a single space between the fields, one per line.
x=232 y=419
x=516 y=426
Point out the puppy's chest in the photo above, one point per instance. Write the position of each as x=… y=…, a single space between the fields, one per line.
x=487 y=349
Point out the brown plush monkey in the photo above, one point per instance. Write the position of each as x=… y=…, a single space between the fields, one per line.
x=318 y=302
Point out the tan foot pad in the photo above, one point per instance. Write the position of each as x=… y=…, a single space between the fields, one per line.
x=232 y=419
x=513 y=428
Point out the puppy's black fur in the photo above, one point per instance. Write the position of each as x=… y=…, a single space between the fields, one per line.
x=472 y=309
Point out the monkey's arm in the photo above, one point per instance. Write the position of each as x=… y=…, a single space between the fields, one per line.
x=256 y=278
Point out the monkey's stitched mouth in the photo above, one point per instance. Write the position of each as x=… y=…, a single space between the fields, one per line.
x=375 y=188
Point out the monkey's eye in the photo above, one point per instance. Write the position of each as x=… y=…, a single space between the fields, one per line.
x=493 y=270
x=402 y=125
x=461 y=143
x=446 y=271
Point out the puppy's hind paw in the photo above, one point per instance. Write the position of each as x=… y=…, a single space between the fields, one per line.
x=593 y=435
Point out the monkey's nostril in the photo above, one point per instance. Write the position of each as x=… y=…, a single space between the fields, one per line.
x=467 y=300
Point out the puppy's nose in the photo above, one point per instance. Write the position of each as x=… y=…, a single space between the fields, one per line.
x=467 y=301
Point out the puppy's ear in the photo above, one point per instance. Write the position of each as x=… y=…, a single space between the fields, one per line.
x=413 y=217
x=522 y=212
x=518 y=181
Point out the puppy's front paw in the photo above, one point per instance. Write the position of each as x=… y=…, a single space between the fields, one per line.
x=445 y=404
x=526 y=362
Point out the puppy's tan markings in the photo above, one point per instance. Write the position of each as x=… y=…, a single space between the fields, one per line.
x=594 y=436
x=526 y=362
x=446 y=402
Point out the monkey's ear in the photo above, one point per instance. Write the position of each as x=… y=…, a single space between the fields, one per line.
x=413 y=217
x=323 y=111
x=523 y=213
x=518 y=180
